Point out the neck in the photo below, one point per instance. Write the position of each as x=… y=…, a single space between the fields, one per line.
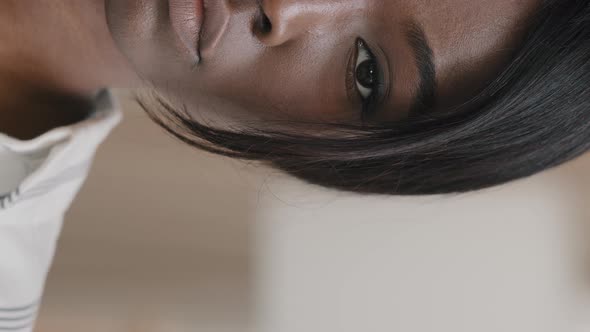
x=61 y=45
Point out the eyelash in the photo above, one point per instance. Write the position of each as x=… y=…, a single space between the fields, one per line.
x=364 y=56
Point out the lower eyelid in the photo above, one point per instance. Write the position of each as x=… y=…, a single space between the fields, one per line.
x=363 y=91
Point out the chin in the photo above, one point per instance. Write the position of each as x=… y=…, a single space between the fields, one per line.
x=141 y=31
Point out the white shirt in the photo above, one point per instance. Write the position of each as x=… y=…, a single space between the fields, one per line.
x=38 y=181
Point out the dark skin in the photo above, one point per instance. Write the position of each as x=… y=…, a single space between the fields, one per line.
x=50 y=49
x=304 y=68
x=301 y=66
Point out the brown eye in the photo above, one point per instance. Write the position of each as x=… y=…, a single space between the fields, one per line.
x=366 y=74
x=366 y=71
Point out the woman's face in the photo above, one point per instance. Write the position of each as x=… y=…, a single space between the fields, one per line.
x=318 y=60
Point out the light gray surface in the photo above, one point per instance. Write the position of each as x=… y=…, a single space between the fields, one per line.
x=512 y=259
x=164 y=238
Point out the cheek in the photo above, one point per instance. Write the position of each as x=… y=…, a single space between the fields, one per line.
x=243 y=81
x=267 y=93
x=139 y=30
x=261 y=97
x=290 y=83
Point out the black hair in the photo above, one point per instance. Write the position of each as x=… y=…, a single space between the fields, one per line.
x=533 y=116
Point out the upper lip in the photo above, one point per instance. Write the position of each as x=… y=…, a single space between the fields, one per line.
x=187 y=17
x=215 y=25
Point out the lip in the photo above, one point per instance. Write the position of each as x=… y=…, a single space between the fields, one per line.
x=187 y=18
x=200 y=25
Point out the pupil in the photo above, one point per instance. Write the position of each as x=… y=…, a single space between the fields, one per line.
x=366 y=74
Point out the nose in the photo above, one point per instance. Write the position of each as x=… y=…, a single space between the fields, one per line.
x=282 y=21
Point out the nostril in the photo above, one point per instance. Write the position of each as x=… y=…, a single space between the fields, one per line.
x=263 y=23
x=266 y=24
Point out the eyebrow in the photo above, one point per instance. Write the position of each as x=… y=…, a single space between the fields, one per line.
x=425 y=98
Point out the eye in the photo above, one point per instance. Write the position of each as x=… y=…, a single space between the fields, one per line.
x=366 y=71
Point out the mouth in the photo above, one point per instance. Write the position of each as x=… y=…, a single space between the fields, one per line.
x=187 y=17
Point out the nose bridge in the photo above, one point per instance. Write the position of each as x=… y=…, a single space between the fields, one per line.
x=292 y=19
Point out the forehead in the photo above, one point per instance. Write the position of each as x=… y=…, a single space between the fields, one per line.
x=471 y=39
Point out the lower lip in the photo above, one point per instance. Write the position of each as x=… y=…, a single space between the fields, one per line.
x=186 y=17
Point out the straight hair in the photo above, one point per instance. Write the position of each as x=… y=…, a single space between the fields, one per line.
x=533 y=116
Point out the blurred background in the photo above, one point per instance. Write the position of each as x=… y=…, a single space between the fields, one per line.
x=165 y=238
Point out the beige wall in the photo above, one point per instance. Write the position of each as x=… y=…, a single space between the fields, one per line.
x=508 y=259
x=164 y=238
